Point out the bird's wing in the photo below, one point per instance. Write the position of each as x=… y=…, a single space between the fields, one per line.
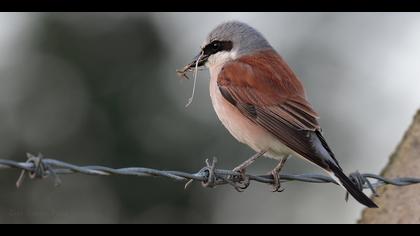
x=268 y=93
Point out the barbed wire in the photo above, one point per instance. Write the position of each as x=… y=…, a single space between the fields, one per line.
x=38 y=167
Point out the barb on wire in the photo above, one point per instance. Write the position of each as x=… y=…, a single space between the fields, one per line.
x=38 y=167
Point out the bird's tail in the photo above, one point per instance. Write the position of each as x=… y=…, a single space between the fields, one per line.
x=350 y=186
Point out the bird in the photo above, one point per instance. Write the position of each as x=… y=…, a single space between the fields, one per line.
x=263 y=104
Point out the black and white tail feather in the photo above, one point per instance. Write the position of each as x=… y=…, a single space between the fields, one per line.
x=342 y=179
x=338 y=175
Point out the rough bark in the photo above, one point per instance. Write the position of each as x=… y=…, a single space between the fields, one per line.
x=399 y=204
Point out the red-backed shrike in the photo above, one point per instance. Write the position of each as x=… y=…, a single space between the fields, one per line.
x=263 y=104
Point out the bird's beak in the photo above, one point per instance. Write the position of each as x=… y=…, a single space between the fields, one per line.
x=199 y=60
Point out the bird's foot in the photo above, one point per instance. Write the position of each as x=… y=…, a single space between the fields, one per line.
x=240 y=182
x=276 y=175
x=276 y=182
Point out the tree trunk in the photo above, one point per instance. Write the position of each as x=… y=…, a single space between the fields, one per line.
x=399 y=204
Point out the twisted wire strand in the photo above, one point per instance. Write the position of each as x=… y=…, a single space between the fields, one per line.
x=40 y=167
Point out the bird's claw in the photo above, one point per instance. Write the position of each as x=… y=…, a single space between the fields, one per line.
x=240 y=182
x=276 y=183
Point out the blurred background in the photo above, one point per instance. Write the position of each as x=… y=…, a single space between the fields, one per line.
x=101 y=88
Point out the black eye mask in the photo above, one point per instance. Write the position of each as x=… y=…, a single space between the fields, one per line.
x=217 y=46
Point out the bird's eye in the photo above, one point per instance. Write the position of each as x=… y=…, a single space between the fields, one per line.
x=215 y=45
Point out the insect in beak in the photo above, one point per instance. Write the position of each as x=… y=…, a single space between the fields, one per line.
x=198 y=61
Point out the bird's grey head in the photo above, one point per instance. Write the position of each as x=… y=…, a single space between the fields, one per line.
x=229 y=41
x=242 y=37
